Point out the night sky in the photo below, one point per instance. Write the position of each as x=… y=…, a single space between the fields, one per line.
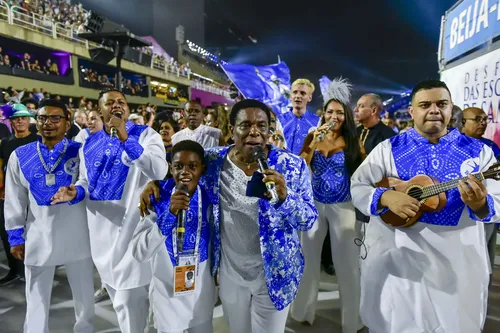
x=382 y=46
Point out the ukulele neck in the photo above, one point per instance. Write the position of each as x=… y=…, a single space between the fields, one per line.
x=436 y=189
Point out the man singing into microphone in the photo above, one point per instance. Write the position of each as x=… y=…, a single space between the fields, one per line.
x=113 y=171
x=256 y=242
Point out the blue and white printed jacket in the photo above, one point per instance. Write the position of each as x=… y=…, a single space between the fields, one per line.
x=279 y=242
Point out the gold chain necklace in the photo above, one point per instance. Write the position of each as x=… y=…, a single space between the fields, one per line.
x=240 y=161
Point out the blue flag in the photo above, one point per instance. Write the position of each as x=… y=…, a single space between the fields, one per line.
x=268 y=84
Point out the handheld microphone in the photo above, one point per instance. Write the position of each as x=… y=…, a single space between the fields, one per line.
x=113 y=130
x=260 y=156
x=181 y=223
x=321 y=135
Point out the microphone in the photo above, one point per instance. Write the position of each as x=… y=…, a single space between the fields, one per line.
x=260 y=155
x=181 y=223
x=321 y=135
x=113 y=130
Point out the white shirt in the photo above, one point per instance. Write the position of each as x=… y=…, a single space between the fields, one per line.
x=82 y=135
x=54 y=235
x=172 y=314
x=206 y=136
x=112 y=222
x=425 y=278
x=241 y=258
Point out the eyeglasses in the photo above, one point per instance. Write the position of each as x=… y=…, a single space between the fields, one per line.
x=53 y=119
x=479 y=119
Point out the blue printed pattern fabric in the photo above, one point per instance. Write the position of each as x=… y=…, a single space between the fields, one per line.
x=455 y=156
x=15 y=236
x=108 y=162
x=167 y=222
x=330 y=178
x=280 y=245
x=296 y=129
x=34 y=172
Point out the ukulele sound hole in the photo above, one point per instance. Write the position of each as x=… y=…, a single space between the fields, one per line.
x=414 y=192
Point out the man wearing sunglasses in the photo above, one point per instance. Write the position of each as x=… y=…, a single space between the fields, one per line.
x=474 y=123
x=45 y=235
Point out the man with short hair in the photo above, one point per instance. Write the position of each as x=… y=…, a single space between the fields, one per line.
x=297 y=122
x=433 y=276
x=371 y=131
x=80 y=119
x=43 y=235
x=115 y=165
x=206 y=136
x=474 y=123
x=20 y=122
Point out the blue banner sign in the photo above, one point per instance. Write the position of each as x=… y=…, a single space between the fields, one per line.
x=468 y=25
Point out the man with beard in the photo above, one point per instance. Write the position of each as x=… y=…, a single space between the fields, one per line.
x=297 y=122
x=433 y=276
x=115 y=165
x=474 y=122
x=206 y=136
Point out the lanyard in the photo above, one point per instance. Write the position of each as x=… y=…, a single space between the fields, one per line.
x=198 y=231
x=58 y=160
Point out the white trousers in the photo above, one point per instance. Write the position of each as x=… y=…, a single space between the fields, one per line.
x=340 y=219
x=39 y=281
x=250 y=310
x=131 y=307
x=205 y=327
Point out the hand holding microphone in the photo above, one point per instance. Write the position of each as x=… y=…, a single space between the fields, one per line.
x=179 y=204
x=275 y=183
x=325 y=129
x=117 y=127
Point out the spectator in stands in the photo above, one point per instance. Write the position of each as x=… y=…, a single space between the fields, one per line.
x=136 y=119
x=181 y=123
x=206 y=136
x=389 y=122
x=74 y=129
x=81 y=119
x=70 y=103
x=37 y=95
x=12 y=95
x=6 y=60
x=26 y=64
x=1 y=53
x=30 y=104
x=20 y=120
x=167 y=129
x=36 y=67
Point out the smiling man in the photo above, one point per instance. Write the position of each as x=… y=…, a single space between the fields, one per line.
x=255 y=243
x=113 y=171
x=206 y=136
x=433 y=276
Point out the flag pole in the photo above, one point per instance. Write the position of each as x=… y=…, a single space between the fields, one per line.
x=279 y=59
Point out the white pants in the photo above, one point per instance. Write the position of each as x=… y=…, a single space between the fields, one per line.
x=340 y=219
x=131 y=307
x=206 y=327
x=250 y=310
x=39 y=281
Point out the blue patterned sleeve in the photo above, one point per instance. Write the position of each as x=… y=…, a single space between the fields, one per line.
x=133 y=148
x=374 y=210
x=298 y=209
x=166 y=221
x=491 y=211
x=80 y=195
x=15 y=236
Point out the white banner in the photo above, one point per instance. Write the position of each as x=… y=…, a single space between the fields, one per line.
x=477 y=83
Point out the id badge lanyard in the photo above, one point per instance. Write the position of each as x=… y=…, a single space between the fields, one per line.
x=196 y=251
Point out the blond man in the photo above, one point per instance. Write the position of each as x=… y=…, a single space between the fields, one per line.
x=297 y=122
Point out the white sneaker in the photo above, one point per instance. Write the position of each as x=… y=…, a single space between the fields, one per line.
x=100 y=295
